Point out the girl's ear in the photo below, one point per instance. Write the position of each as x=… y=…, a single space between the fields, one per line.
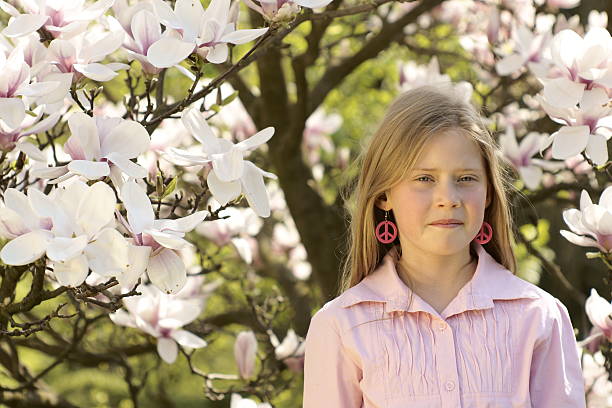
x=382 y=202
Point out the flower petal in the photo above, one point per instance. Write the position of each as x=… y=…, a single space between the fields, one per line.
x=597 y=149
x=223 y=191
x=168 y=239
x=96 y=71
x=12 y=111
x=129 y=139
x=570 y=141
x=24 y=24
x=138 y=261
x=167 y=349
x=199 y=128
x=243 y=36
x=91 y=170
x=63 y=248
x=96 y=209
x=71 y=273
x=183 y=224
x=187 y=339
x=254 y=189
x=562 y=92
x=85 y=134
x=139 y=211
x=108 y=254
x=167 y=52
x=26 y=248
x=130 y=168
x=257 y=139
x=166 y=270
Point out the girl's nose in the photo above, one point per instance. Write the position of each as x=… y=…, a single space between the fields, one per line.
x=447 y=195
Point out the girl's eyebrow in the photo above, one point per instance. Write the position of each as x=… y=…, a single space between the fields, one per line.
x=435 y=170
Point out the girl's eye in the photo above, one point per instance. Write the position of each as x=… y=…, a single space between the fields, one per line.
x=469 y=178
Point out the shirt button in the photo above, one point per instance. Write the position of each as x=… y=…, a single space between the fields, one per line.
x=450 y=385
x=441 y=326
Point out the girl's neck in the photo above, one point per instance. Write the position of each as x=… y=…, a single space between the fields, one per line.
x=443 y=275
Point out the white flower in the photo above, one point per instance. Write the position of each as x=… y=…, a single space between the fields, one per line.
x=413 y=75
x=165 y=268
x=74 y=227
x=521 y=156
x=191 y=28
x=245 y=349
x=580 y=64
x=281 y=10
x=599 y=312
x=162 y=316
x=57 y=16
x=81 y=55
x=231 y=175
x=588 y=127
x=238 y=402
x=529 y=49
x=591 y=225
x=15 y=83
x=101 y=147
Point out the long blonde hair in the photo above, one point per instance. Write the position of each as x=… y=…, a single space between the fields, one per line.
x=409 y=122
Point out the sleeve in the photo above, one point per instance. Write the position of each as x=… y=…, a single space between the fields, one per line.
x=331 y=377
x=556 y=375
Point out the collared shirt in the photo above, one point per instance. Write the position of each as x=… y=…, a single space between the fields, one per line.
x=501 y=342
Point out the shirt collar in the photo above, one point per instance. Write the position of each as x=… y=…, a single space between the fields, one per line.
x=490 y=281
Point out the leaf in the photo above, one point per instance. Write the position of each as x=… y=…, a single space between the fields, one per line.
x=230 y=98
x=170 y=187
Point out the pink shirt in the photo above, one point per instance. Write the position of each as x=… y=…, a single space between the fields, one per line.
x=501 y=342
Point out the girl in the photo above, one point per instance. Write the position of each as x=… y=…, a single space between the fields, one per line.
x=431 y=313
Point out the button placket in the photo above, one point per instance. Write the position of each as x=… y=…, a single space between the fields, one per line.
x=446 y=361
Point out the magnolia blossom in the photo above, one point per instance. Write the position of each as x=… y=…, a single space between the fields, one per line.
x=413 y=75
x=528 y=50
x=231 y=175
x=599 y=312
x=100 y=147
x=15 y=82
x=59 y=17
x=238 y=402
x=591 y=225
x=291 y=350
x=162 y=316
x=581 y=64
x=596 y=382
x=191 y=28
x=143 y=30
x=239 y=228
x=282 y=10
x=521 y=156
x=319 y=127
x=165 y=267
x=245 y=350
x=15 y=138
x=81 y=55
x=587 y=127
x=74 y=227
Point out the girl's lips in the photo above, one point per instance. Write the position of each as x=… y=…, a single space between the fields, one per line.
x=447 y=225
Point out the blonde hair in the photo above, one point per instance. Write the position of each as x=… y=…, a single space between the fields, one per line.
x=409 y=122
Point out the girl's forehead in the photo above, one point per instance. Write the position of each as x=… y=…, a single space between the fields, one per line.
x=450 y=150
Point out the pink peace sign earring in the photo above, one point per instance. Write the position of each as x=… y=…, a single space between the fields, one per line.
x=485 y=234
x=386 y=231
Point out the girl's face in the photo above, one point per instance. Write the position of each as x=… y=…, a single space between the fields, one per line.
x=449 y=181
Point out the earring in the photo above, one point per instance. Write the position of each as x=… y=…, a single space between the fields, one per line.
x=485 y=234
x=386 y=231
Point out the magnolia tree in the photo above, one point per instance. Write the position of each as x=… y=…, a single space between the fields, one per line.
x=170 y=183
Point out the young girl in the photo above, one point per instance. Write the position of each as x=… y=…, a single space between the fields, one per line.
x=431 y=313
